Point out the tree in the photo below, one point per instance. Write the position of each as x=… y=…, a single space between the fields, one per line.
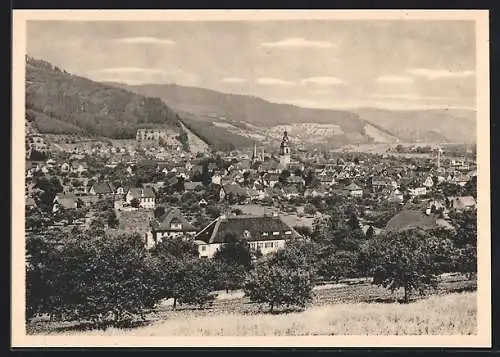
x=159 y=211
x=369 y=232
x=97 y=278
x=135 y=202
x=206 y=179
x=409 y=260
x=353 y=222
x=282 y=279
x=235 y=251
x=309 y=209
x=465 y=240
x=283 y=177
x=183 y=276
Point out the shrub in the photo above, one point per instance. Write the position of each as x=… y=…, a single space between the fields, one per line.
x=276 y=286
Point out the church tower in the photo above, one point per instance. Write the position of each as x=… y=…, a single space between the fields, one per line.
x=285 y=151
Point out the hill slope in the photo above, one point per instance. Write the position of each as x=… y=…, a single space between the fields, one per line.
x=254 y=117
x=433 y=125
x=62 y=103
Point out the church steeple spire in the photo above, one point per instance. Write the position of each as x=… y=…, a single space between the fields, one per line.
x=285 y=150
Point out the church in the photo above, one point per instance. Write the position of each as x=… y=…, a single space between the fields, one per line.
x=278 y=162
x=284 y=153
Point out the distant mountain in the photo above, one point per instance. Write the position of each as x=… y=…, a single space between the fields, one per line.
x=61 y=103
x=251 y=117
x=259 y=120
x=433 y=125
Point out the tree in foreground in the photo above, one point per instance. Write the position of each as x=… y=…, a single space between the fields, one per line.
x=101 y=279
x=182 y=276
x=282 y=279
x=233 y=260
x=408 y=260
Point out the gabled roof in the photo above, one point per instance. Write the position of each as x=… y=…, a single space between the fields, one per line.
x=252 y=228
x=173 y=215
x=380 y=180
x=408 y=219
x=462 y=202
x=138 y=192
x=190 y=185
x=66 y=200
x=102 y=188
x=234 y=189
x=352 y=187
x=30 y=202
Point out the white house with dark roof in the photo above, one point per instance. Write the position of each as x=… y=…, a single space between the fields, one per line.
x=172 y=224
x=266 y=233
x=145 y=195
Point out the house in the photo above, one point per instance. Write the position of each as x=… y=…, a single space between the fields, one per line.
x=409 y=219
x=145 y=195
x=429 y=182
x=354 y=190
x=229 y=191
x=120 y=191
x=396 y=196
x=30 y=202
x=78 y=167
x=378 y=183
x=102 y=189
x=460 y=179
x=418 y=191
x=316 y=192
x=65 y=167
x=171 y=224
x=462 y=203
x=202 y=203
x=192 y=186
x=290 y=192
x=88 y=200
x=66 y=201
x=271 y=179
x=216 y=179
x=266 y=233
x=297 y=180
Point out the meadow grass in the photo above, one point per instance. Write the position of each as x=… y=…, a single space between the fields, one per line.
x=452 y=314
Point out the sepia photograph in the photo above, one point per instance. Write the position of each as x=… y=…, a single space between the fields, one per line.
x=273 y=178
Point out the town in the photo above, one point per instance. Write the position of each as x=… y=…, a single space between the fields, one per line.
x=163 y=191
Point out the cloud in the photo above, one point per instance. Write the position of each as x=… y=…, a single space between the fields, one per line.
x=434 y=74
x=133 y=70
x=418 y=97
x=322 y=81
x=394 y=79
x=143 y=75
x=274 y=82
x=145 y=40
x=298 y=42
x=232 y=80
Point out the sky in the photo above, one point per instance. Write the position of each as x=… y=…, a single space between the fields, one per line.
x=314 y=63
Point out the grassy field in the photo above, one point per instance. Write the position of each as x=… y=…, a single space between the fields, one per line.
x=453 y=314
x=337 y=309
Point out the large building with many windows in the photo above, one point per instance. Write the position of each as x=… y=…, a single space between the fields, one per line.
x=266 y=233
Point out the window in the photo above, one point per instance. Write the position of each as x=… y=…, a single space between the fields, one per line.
x=176 y=226
x=276 y=233
x=288 y=232
x=265 y=234
x=203 y=248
